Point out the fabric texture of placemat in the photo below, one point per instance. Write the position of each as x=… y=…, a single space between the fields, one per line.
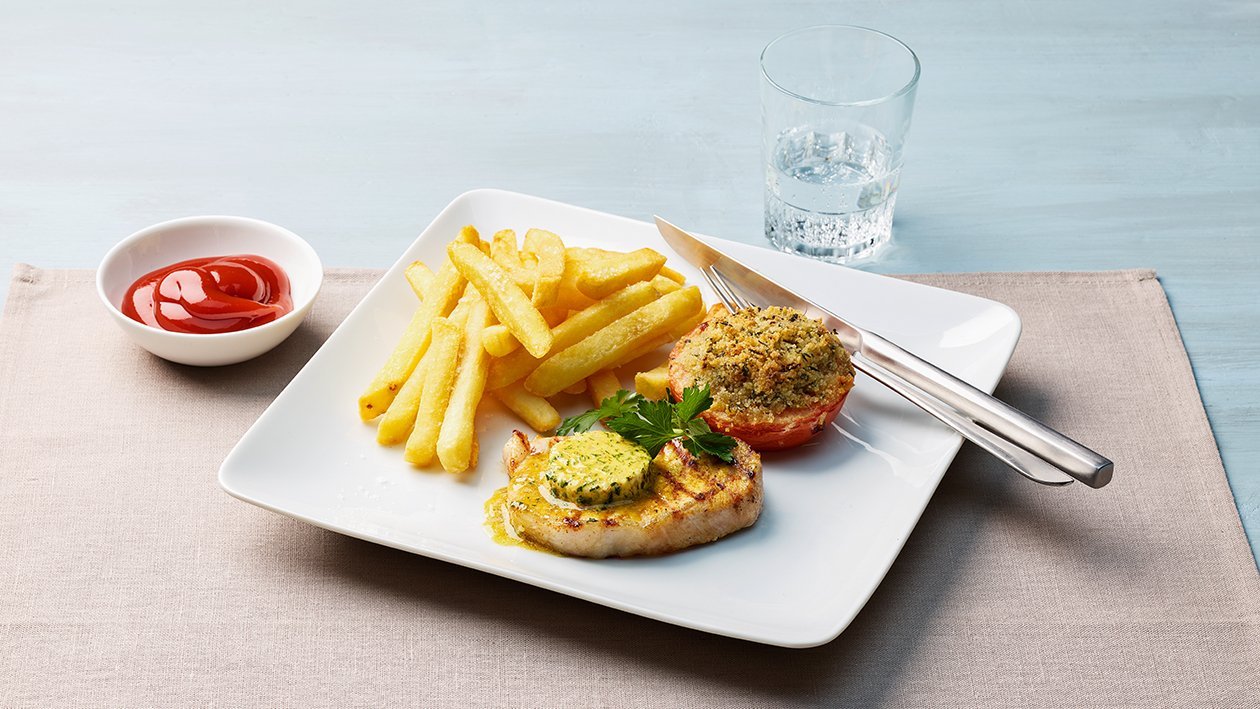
x=128 y=578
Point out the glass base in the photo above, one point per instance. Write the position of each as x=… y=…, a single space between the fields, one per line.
x=836 y=238
x=852 y=256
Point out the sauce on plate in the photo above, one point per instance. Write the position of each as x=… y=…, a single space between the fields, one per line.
x=210 y=295
x=499 y=525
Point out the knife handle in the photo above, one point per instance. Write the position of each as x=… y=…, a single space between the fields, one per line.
x=1026 y=463
x=1069 y=456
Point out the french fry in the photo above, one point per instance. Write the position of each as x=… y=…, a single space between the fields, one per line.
x=503 y=249
x=604 y=276
x=567 y=293
x=576 y=261
x=549 y=251
x=498 y=340
x=687 y=325
x=400 y=417
x=664 y=285
x=519 y=364
x=439 y=376
x=677 y=332
x=584 y=255
x=455 y=440
x=468 y=235
x=419 y=276
x=602 y=385
x=576 y=387
x=647 y=348
x=505 y=298
x=673 y=275
x=504 y=252
x=535 y=411
x=554 y=315
x=439 y=299
x=603 y=348
x=674 y=334
x=582 y=260
x=654 y=383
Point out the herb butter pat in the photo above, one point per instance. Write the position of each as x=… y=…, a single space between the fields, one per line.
x=597 y=468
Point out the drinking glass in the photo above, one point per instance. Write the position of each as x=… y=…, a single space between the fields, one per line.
x=835 y=109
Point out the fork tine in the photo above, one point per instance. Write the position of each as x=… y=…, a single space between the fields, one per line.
x=722 y=292
x=729 y=296
x=735 y=297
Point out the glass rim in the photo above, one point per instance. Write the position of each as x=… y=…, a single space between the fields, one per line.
x=909 y=86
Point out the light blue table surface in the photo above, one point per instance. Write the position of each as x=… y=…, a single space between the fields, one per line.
x=1067 y=135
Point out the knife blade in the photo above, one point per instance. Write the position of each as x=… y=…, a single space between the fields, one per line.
x=1062 y=452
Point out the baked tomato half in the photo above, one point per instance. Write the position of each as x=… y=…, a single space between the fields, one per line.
x=787 y=429
x=776 y=376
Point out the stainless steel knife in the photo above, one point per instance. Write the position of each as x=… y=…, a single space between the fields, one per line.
x=1036 y=450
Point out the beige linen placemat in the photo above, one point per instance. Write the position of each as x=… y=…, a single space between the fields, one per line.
x=128 y=578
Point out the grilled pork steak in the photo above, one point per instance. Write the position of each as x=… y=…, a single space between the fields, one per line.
x=688 y=501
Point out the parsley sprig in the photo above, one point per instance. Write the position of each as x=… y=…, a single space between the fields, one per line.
x=652 y=424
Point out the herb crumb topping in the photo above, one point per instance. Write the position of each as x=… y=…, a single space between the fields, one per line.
x=764 y=361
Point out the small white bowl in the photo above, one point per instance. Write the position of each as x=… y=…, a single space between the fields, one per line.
x=199 y=237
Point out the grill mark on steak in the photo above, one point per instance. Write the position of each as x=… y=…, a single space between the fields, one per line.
x=673 y=481
x=689 y=463
x=741 y=464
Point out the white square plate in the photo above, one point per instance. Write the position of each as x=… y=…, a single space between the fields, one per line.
x=837 y=511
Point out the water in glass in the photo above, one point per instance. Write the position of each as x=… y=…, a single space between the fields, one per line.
x=830 y=195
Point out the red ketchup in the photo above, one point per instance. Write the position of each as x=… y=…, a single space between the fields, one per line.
x=208 y=295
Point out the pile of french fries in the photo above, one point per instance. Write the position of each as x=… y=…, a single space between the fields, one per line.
x=522 y=322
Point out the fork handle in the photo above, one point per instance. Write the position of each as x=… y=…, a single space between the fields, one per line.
x=1066 y=454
